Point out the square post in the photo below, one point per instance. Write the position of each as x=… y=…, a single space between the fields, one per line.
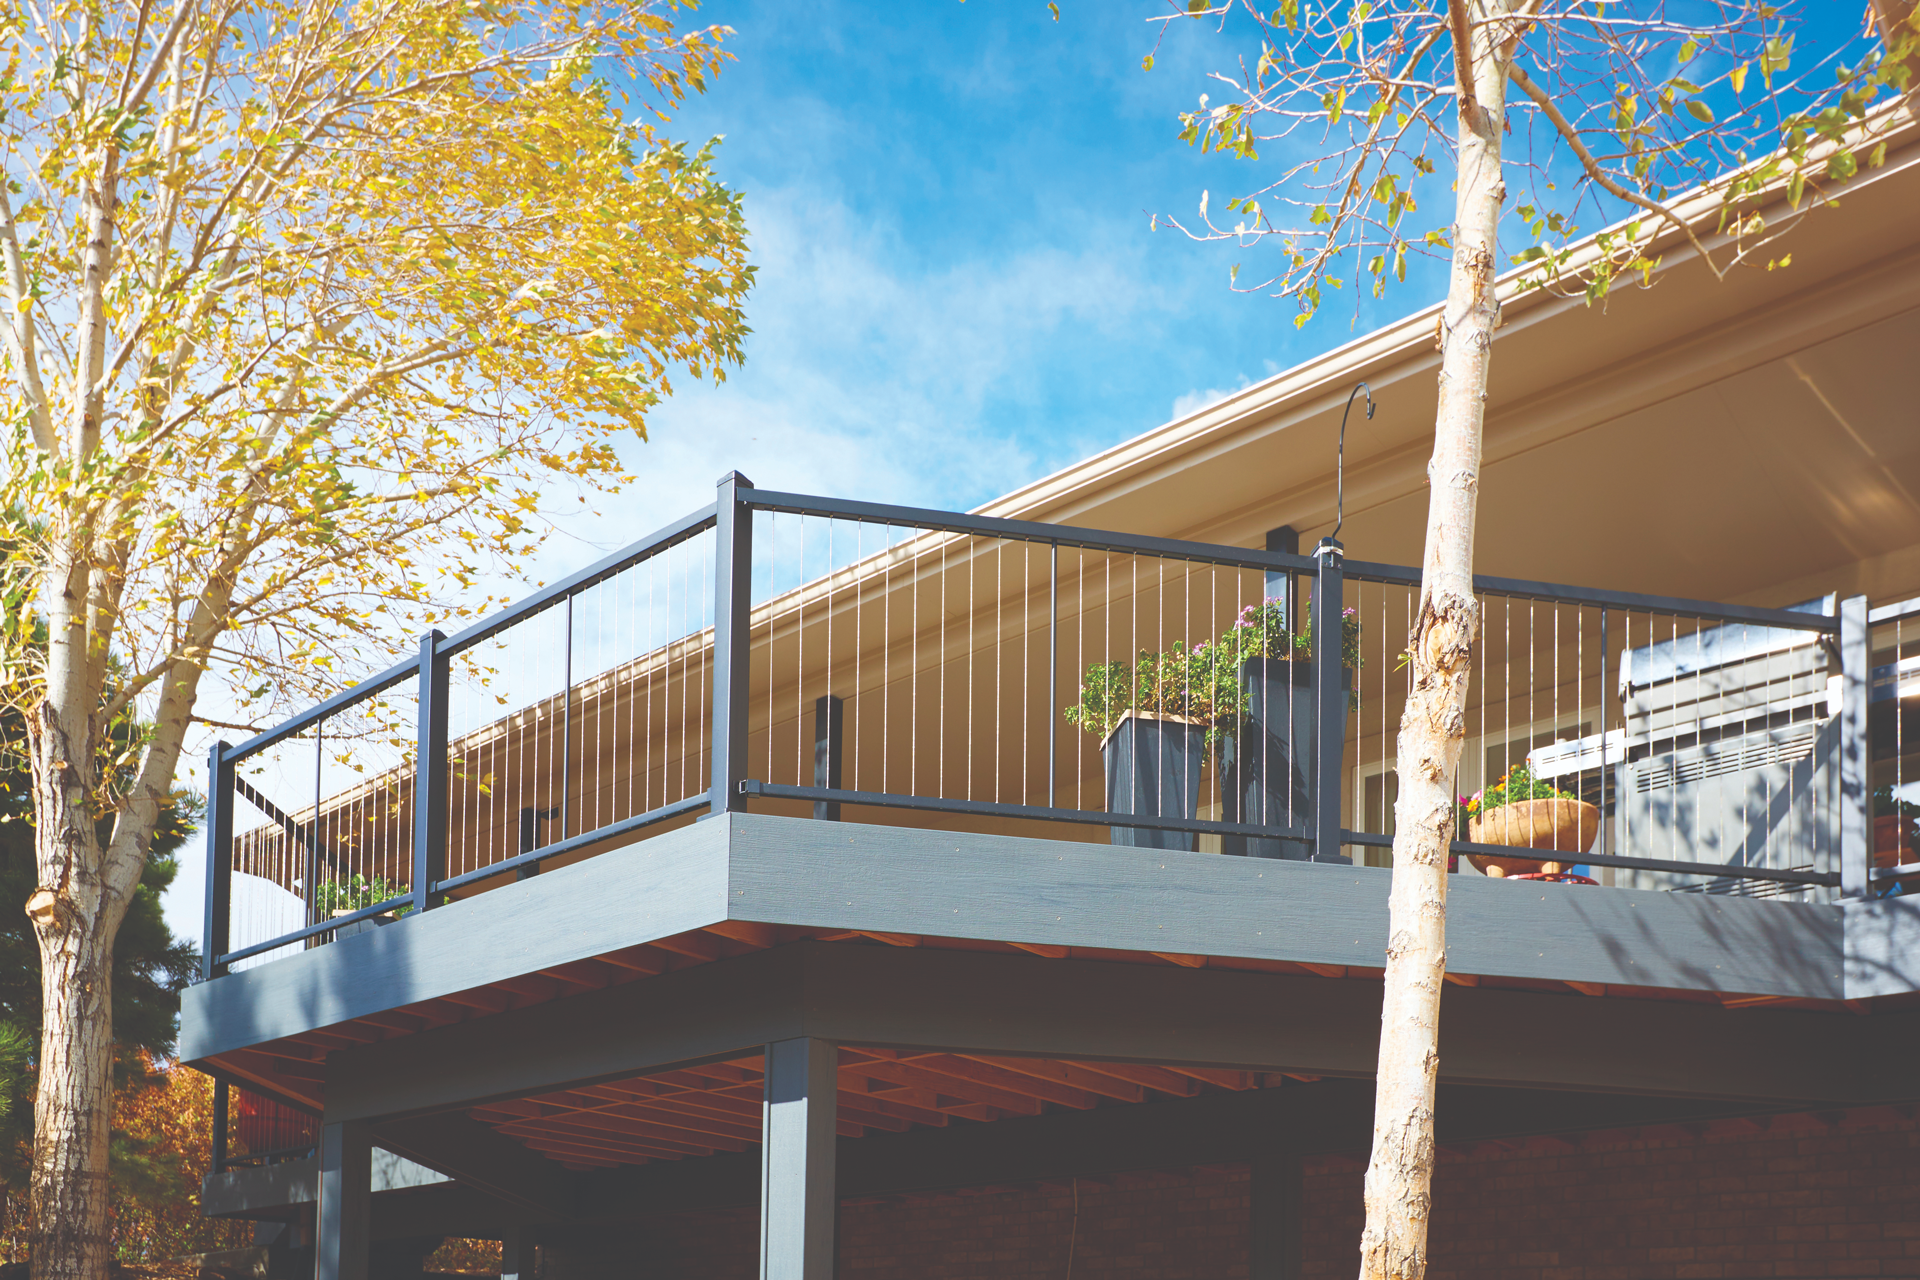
x=1856 y=791
x=1274 y=1216
x=341 y=1237
x=430 y=774
x=1329 y=699
x=216 y=928
x=799 y=1131
x=219 y=1135
x=732 y=643
x=827 y=718
x=517 y=1256
x=1279 y=585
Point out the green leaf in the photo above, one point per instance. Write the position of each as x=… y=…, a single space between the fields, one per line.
x=1146 y=63
x=1701 y=111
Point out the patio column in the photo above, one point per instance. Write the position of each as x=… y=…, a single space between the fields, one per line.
x=516 y=1253
x=346 y=1193
x=1273 y=1229
x=798 y=1133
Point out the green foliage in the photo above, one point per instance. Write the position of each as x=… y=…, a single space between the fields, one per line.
x=356 y=893
x=1201 y=683
x=1518 y=784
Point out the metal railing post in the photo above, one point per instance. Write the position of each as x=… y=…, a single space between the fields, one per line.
x=1856 y=793
x=828 y=715
x=216 y=929
x=1329 y=699
x=732 y=643
x=430 y=774
x=220 y=1099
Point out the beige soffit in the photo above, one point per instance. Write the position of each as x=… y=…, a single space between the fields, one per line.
x=1406 y=347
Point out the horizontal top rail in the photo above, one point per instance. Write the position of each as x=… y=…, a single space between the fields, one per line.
x=1026 y=531
x=1705 y=610
x=1894 y=612
x=340 y=701
x=659 y=540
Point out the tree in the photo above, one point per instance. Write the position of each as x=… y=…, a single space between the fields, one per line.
x=1679 y=128
x=303 y=309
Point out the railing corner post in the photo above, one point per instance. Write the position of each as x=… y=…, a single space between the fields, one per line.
x=216 y=931
x=430 y=774
x=1856 y=793
x=732 y=642
x=1329 y=699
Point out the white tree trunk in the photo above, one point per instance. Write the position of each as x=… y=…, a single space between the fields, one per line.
x=1400 y=1172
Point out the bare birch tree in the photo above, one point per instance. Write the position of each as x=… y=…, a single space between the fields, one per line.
x=1668 y=125
x=303 y=307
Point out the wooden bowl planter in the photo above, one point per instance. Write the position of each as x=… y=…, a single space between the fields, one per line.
x=1562 y=824
x=1153 y=769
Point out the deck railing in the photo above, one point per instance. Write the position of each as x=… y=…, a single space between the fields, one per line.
x=856 y=661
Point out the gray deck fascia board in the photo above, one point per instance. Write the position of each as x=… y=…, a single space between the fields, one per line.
x=1883 y=947
x=794 y=871
x=653 y=889
x=1013 y=889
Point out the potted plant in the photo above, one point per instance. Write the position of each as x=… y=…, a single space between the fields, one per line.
x=1525 y=812
x=336 y=898
x=1266 y=762
x=1154 y=718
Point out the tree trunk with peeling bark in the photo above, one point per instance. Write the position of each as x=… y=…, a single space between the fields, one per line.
x=1433 y=728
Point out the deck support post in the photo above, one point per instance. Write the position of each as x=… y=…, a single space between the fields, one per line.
x=1856 y=791
x=517 y=1256
x=341 y=1237
x=798 y=1137
x=1274 y=1217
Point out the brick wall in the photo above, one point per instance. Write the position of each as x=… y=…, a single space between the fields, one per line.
x=1792 y=1198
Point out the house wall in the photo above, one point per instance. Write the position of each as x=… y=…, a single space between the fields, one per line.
x=1791 y=1198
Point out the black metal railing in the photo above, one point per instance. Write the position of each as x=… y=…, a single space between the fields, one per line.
x=850 y=660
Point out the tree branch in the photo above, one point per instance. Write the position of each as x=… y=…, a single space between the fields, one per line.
x=1600 y=176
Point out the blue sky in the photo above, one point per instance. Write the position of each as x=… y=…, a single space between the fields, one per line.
x=959 y=291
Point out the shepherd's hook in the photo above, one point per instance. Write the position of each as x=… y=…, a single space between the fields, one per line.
x=1340 y=461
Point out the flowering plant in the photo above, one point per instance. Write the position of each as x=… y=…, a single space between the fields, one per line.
x=1262 y=631
x=1517 y=784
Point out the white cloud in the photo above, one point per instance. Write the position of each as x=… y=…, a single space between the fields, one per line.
x=1194 y=401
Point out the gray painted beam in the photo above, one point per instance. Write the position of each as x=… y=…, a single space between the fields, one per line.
x=797 y=1149
x=483 y=1158
x=924 y=998
x=342 y=1217
x=250 y=1190
x=718 y=1010
x=1328 y=1117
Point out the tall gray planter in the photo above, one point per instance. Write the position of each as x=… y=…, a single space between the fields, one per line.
x=1153 y=769
x=1266 y=769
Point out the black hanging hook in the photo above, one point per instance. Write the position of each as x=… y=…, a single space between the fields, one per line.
x=1340 y=462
